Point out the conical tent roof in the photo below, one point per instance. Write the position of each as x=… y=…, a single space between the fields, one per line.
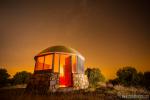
x=60 y=49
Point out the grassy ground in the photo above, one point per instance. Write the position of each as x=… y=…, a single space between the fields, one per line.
x=89 y=94
x=18 y=94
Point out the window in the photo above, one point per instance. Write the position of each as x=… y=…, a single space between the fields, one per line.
x=44 y=62
x=80 y=65
x=56 y=63
x=48 y=62
x=39 y=63
x=62 y=64
x=74 y=64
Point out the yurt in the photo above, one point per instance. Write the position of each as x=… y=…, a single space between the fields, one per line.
x=64 y=65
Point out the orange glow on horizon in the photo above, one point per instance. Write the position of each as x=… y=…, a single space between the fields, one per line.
x=107 y=72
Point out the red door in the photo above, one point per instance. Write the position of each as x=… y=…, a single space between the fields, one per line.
x=65 y=79
x=68 y=76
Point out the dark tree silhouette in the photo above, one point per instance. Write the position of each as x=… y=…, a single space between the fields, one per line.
x=139 y=79
x=3 y=77
x=21 y=77
x=114 y=81
x=127 y=76
x=94 y=76
x=147 y=80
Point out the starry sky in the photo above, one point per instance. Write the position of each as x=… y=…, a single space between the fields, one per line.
x=110 y=34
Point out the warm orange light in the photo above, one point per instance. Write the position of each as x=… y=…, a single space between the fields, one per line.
x=44 y=62
x=65 y=70
x=48 y=62
x=61 y=71
x=56 y=63
x=39 y=63
x=62 y=85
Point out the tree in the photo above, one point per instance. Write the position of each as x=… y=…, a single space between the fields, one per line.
x=94 y=76
x=139 y=79
x=114 y=81
x=3 y=77
x=129 y=76
x=21 y=77
x=146 y=81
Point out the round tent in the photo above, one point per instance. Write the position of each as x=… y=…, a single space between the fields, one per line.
x=62 y=60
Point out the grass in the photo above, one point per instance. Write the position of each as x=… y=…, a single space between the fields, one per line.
x=100 y=93
x=18 y=94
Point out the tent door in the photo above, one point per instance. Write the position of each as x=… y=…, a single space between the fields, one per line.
x=65 y=79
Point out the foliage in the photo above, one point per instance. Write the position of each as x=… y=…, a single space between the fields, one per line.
x=3 y=77
x=146 y=80
x=21 y=77
x=127 y=76
x=114 y=81
x=139 y=79
x=94 y=76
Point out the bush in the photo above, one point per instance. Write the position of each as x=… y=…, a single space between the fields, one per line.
x=94 y=76
x=146 y=80
x=128 y=76
x=3 y=77
x=21 y=77
x=114 y=81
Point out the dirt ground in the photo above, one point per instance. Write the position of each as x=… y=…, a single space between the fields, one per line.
x=18 y=94
x=100 y=94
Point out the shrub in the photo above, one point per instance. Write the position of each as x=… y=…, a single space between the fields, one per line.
x=94 y=76
x=146 y=80
x=21 y=77
x=128 y=76
x=3 y=77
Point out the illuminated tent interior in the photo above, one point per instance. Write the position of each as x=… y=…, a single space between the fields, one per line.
x=62 y=60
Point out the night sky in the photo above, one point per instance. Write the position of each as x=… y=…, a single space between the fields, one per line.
x=109 y=34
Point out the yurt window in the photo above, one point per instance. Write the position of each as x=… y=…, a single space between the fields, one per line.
x=39 y=63
x=48 y=62
x=74 y=64
x=80 y=65
x=56 y=63
x=62 y=65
